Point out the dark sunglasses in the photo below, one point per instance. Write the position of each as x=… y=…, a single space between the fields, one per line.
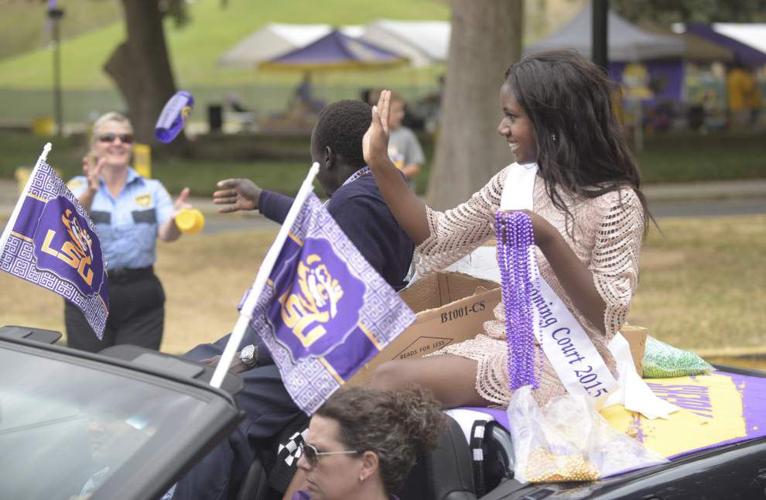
x=110 y=137
x=312 y=454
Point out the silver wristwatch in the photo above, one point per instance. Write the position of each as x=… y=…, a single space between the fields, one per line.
x=249 y=355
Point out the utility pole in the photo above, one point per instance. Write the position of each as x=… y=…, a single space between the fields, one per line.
x=600 y=30
x=55 y=14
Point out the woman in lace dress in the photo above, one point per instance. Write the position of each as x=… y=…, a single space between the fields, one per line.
x=588 y=218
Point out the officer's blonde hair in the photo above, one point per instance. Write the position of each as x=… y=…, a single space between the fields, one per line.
x=109 y=117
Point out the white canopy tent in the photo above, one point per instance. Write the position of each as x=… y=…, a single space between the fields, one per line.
x=752 y=34
x=626 y=42
x=422 y=42
x=275 y=39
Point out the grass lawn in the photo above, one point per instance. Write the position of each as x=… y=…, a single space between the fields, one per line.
x=666 y=159
x=702 y=285
x=684 y=157
x=24 y=25
x=195 y=48
x=199 y=175
x=204 y=277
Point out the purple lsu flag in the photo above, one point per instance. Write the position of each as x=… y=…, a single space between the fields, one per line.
x=50 y=241
x=324 y=311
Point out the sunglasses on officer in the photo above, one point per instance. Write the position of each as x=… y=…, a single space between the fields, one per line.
x=110 y=137
x=312 y=454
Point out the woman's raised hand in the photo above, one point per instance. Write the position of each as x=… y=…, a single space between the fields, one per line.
x=375 y=141
x=91 y=168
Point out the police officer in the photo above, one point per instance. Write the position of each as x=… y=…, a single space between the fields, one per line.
x=130 y=213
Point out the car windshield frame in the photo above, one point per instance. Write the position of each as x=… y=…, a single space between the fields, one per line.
x=165 y=453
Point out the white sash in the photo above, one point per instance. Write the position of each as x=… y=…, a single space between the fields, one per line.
x=565 y=343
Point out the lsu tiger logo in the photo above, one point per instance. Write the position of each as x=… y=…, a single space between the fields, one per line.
x=307 y=312
x=76 y=251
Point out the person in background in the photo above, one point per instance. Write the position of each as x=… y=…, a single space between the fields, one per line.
x=304 y=95
x=235 y=103
x=130 y=214
x=239 y=112
x=362 y=443
x=430 y=105
x=744 y=96
x=403 y=146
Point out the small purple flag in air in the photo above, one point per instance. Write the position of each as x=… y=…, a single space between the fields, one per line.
x=173 y=116
x=325 y=311
x=50 y=241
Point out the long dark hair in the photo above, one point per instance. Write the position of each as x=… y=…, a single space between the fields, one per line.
x=581 y=146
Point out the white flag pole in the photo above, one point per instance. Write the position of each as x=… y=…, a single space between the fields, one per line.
x=15 y=214
x=269 y=260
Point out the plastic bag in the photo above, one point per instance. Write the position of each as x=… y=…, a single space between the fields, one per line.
x=568 y=440
x=662 y=360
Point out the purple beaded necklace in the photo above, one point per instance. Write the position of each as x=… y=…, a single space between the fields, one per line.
x=514 y=239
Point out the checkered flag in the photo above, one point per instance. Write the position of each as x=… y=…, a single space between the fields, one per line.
x=290 y=450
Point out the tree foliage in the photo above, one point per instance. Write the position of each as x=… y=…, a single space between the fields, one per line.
x=666 y=12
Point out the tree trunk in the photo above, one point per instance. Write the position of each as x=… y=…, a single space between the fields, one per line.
x=486 y=39
x=140 y=67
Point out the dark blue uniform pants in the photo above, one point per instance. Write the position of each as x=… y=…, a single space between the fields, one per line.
x=136 y=314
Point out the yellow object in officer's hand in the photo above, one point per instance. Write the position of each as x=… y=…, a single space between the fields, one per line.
x=190 y=221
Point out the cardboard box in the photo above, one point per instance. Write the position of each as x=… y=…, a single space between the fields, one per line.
x=452 y=307
x=449 y=308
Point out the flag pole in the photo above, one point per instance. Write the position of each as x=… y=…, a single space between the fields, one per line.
x=264 y=271
x=16 y=209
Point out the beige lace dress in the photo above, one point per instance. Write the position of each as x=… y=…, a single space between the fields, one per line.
x=607 y=238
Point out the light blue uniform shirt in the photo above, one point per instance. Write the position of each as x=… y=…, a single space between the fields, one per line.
x=127 y=225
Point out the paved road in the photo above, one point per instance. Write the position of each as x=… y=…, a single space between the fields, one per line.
x=708 y=199
x=677 y=200
x=659 y=208
x=707 y=208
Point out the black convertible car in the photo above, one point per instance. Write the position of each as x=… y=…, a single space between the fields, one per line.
x=127 y=423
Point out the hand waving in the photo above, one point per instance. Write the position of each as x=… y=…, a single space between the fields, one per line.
x=375 y=141
x=91 y=169
x=237 y=194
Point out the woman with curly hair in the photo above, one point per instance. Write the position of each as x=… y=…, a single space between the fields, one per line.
x=363 y=442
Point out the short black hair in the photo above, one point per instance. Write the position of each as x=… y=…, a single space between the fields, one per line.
x=342 y=125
